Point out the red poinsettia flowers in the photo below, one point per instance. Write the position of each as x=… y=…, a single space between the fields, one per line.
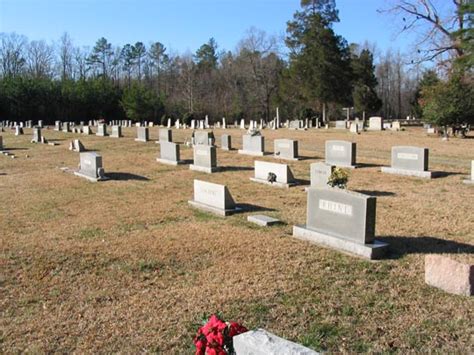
x=215 y=337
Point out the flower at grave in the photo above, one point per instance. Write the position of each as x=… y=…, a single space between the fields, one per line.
x=215 y=337
x=339 y=178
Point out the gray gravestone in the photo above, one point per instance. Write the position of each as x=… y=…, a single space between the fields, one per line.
x=410 y=161
x=341 y=153
x=286 y=149
x=226 y=142
x=467 y=181
x=36 y=135
x=116 y=131
x=165 y=135
x=203 y=138
x=213 y=198
x=354 y=128
x=169 y=153
x=66 y=127
x=57 y=125
x=204 y=159
x=86 y=130
x=274 y=174
x=91 y=167
x=375 y=123
x=343 y=220
x=18 y=131
x=101 y=130
x=341 y=125
x=320 y=174
x=253 y=145
x=142 y=134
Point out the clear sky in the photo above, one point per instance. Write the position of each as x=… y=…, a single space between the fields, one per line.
x=183 y=25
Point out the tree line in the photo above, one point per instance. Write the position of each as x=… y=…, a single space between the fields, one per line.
x=314 y=72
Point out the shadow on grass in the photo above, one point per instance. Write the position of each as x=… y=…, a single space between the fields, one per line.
x=302 y=182
x=235 y=168
x=368 y=165
x=8 y=149
x=125 y=176
x=400 y=246
x=246 y=207
x=375 y=193
x=442 y=174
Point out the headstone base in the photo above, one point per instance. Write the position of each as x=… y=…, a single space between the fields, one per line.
x=286 y=158
x=170 y=162
x=140 y=140
x=78 y=173
x=203 y=169
x=468 y=182
x=367 y=251
x=249 y=152
x=277 y=184
x=420 y=174
x=262 y=220
x=214 y=210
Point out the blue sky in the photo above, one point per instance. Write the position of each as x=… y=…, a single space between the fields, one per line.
x=184 y=24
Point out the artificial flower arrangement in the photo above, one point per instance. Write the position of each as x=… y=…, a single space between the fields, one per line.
x=215 y=337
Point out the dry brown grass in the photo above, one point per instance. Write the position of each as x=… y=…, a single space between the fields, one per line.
x=127 y=266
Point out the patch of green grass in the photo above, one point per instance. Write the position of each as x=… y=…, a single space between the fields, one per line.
x=204 y=216
x=148 y=266
x=321 y=336
x=90 y=233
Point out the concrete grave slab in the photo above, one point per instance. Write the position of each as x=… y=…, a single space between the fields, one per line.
x=262 y=220
x=449 y=275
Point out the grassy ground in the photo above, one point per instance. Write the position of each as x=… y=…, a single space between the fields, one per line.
x=127 y=266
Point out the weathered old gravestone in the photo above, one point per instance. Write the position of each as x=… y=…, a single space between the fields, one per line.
x=262 y=220
x=449 y=275
x=169 y=153
x=286 y=149
x=36 y=135
x=252 y=145
x=165 y=135
x=395 y=126
x=375 y=124
x=91 y=167
x=320 y=174
x=467 y=181
x=101 y=130
x=274 y=174
x=57 y=125
x=203 y=138
x=296 y=124
x=213 y=198
x=18 y=131
x=142 y=134
x=341 y=153
x=116 y=131
x=86 y=130
x=411 y=161
x=341 y=219
x=226 y=142
x=204 y=159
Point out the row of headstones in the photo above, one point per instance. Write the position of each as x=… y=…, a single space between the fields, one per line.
x=375 y=124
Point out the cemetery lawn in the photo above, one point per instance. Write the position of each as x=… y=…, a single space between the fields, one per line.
x=127 y=266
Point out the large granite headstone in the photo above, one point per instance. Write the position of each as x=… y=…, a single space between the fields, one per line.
x=320 y=174
x=205 y=159
x=36 y=135
x=169 y=153
x=274 y=174
x=91 y=167
x=142 y=134
x=286 y=149
x=375 y=124
x=226 y=142
x=101 y=130
x=410 y=161
x=203 y=138
x=116 y=131
x=252 y=145
x=213 y=198
x=343 y=220
x=341 y=153
x=165 y=135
